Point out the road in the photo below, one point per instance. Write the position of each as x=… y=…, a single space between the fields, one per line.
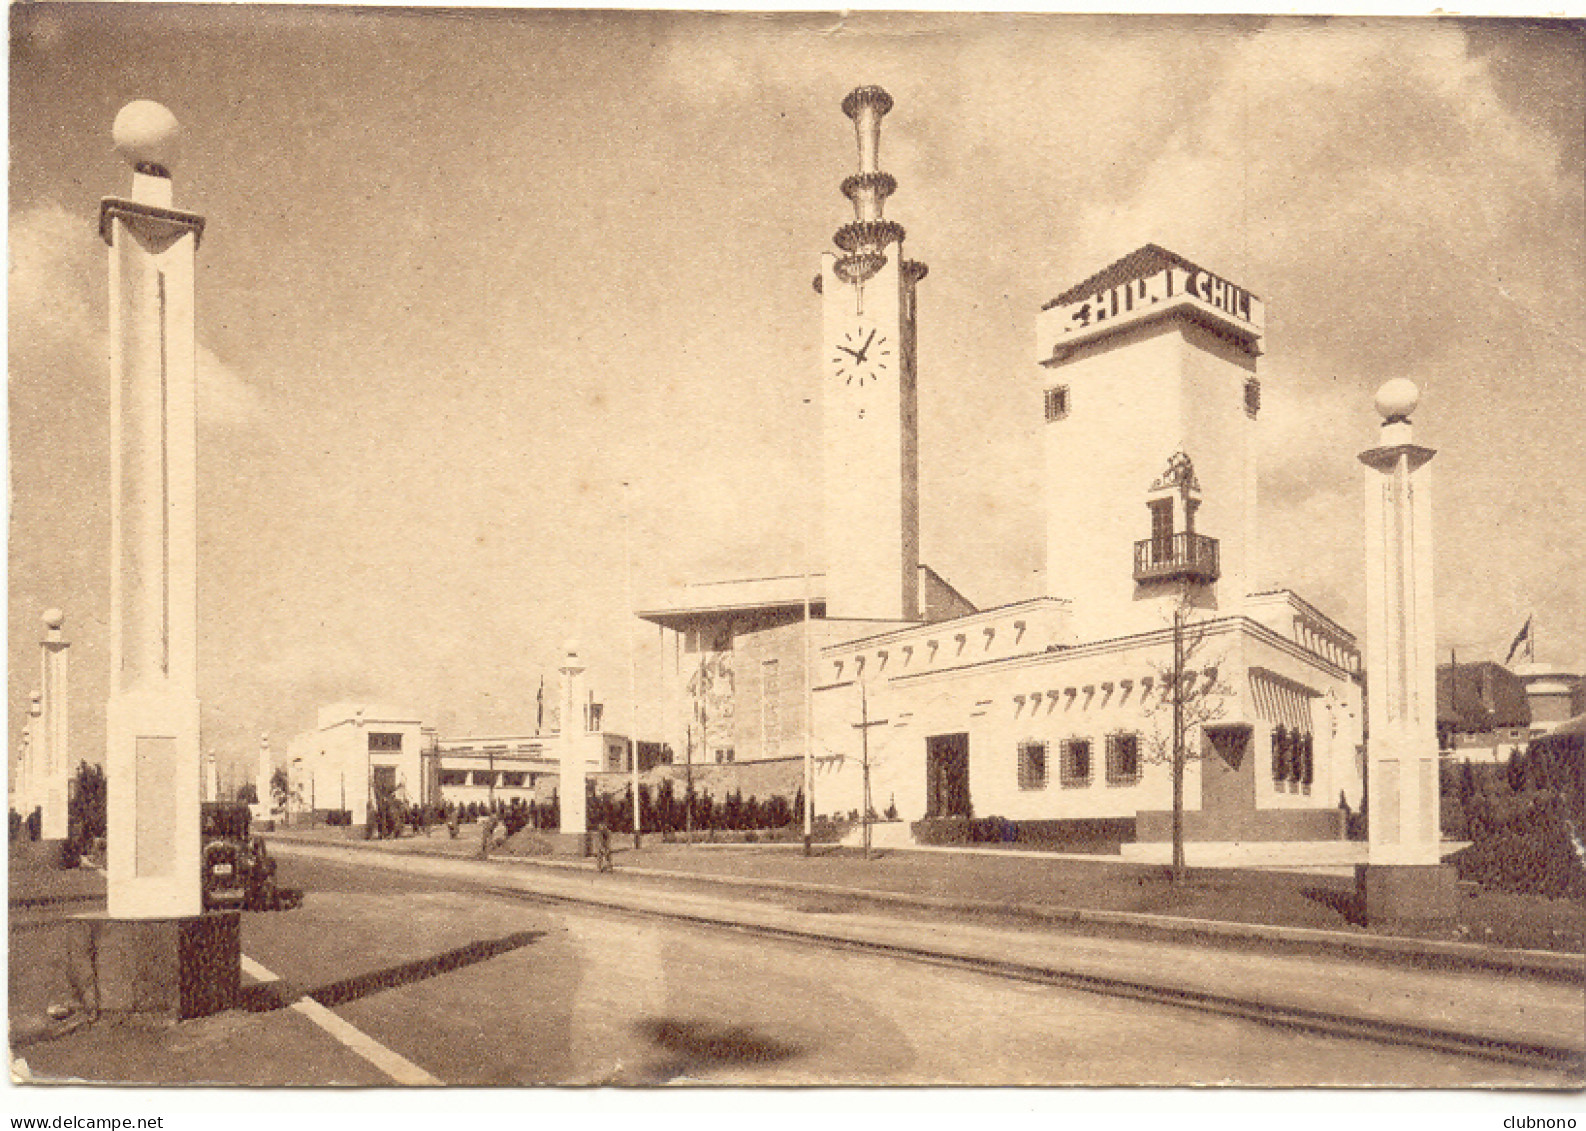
x=482 y=986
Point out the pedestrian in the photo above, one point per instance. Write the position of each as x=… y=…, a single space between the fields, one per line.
x=603 y=848
x=452 y=820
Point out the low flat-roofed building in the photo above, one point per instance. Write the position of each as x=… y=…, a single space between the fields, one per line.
x=354 y=751
x=1483 y=714
x=1554 y=693
x=504 y=768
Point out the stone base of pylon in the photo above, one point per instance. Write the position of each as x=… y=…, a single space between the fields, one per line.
x=160 y=969
x=1407 y=896
x=571 y=844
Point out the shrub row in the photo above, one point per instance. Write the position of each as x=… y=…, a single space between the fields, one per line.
x=1076 y=835
x=1526 y=821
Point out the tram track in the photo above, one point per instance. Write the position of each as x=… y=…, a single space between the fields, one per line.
x=1291 y=1018
x=1533 y=1053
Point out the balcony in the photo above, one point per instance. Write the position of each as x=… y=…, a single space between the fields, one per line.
x=1190 y=557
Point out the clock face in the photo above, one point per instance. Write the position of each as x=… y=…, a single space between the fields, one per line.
x=862 y=355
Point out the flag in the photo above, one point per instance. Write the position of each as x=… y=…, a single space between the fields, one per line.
x=1521 y=637
x=539 y=707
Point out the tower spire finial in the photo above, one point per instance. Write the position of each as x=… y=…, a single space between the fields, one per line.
x=866 y=105
x=865 y=238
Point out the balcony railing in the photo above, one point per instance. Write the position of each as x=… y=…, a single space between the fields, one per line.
x=1182 y=556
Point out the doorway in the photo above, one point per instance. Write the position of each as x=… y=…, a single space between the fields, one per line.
x=947 y=775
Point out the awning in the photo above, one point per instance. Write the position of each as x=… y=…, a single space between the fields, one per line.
x=1281 y=702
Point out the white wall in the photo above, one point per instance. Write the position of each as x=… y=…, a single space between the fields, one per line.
x=1087 y=692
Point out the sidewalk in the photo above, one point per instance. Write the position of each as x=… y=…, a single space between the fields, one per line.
x=222 y=1049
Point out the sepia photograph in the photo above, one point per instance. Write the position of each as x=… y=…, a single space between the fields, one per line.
x=626 y=554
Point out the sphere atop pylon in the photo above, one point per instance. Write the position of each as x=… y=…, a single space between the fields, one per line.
x=1397 y=399
x=147 y=134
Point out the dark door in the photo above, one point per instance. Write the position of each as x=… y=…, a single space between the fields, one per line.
x=947 y=775
x=1228 y=784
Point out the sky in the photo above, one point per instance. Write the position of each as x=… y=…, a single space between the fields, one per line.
x=466 y=275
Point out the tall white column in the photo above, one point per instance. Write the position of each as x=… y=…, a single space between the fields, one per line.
x=152 y=755
x=1401 y=662
x=16 y=782
x=261 y=780
x=54 y=757
x=31 y=739
x=571 y=747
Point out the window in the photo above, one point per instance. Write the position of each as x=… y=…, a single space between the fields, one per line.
x=454 y=777
x=1252 y=397
x=1123 y=759
x=724 y=755
x=1056 y=403
x=512 y=779
x=1280 y=756
x=1032 y=765
x=388 y=742
x=1076 y=763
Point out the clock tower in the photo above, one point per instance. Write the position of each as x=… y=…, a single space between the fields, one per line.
x=870 y=413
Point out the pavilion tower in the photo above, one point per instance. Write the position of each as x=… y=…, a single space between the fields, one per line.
x=1151 y=402
x=870 y=412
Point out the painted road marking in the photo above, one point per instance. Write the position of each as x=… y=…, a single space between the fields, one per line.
x=256 y=972
x=394 y=1065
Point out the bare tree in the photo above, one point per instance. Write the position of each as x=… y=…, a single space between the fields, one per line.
x=1192 y=694
x=281 y=788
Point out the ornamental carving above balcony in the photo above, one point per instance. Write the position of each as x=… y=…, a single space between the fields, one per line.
x=1179 y=557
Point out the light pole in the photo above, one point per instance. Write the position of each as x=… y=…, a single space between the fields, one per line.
x=809 y=725
x=809 y=691
x=863 y=727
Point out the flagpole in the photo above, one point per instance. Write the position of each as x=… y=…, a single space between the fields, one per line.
x=633 y=658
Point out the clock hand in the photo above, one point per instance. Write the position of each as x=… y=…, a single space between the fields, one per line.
x=852 y=353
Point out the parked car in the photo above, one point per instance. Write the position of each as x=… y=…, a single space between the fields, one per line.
x=238 y=870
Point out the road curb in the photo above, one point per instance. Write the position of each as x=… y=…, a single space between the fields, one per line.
x=1547 y=965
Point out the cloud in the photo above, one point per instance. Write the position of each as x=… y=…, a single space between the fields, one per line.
x=225 y=399
x=51 y=314
x=59 y=343
x=1367 y=180
x=1401 y=216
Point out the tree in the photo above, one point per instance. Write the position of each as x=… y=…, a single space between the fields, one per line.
x=281 y=788
x=247 y=793
x=86 y=809
x=1192 y=694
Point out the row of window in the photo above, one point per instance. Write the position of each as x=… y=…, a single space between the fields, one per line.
x=1075 y=769
x=1057 y=400
x=508 y=779
x=1293 y=758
